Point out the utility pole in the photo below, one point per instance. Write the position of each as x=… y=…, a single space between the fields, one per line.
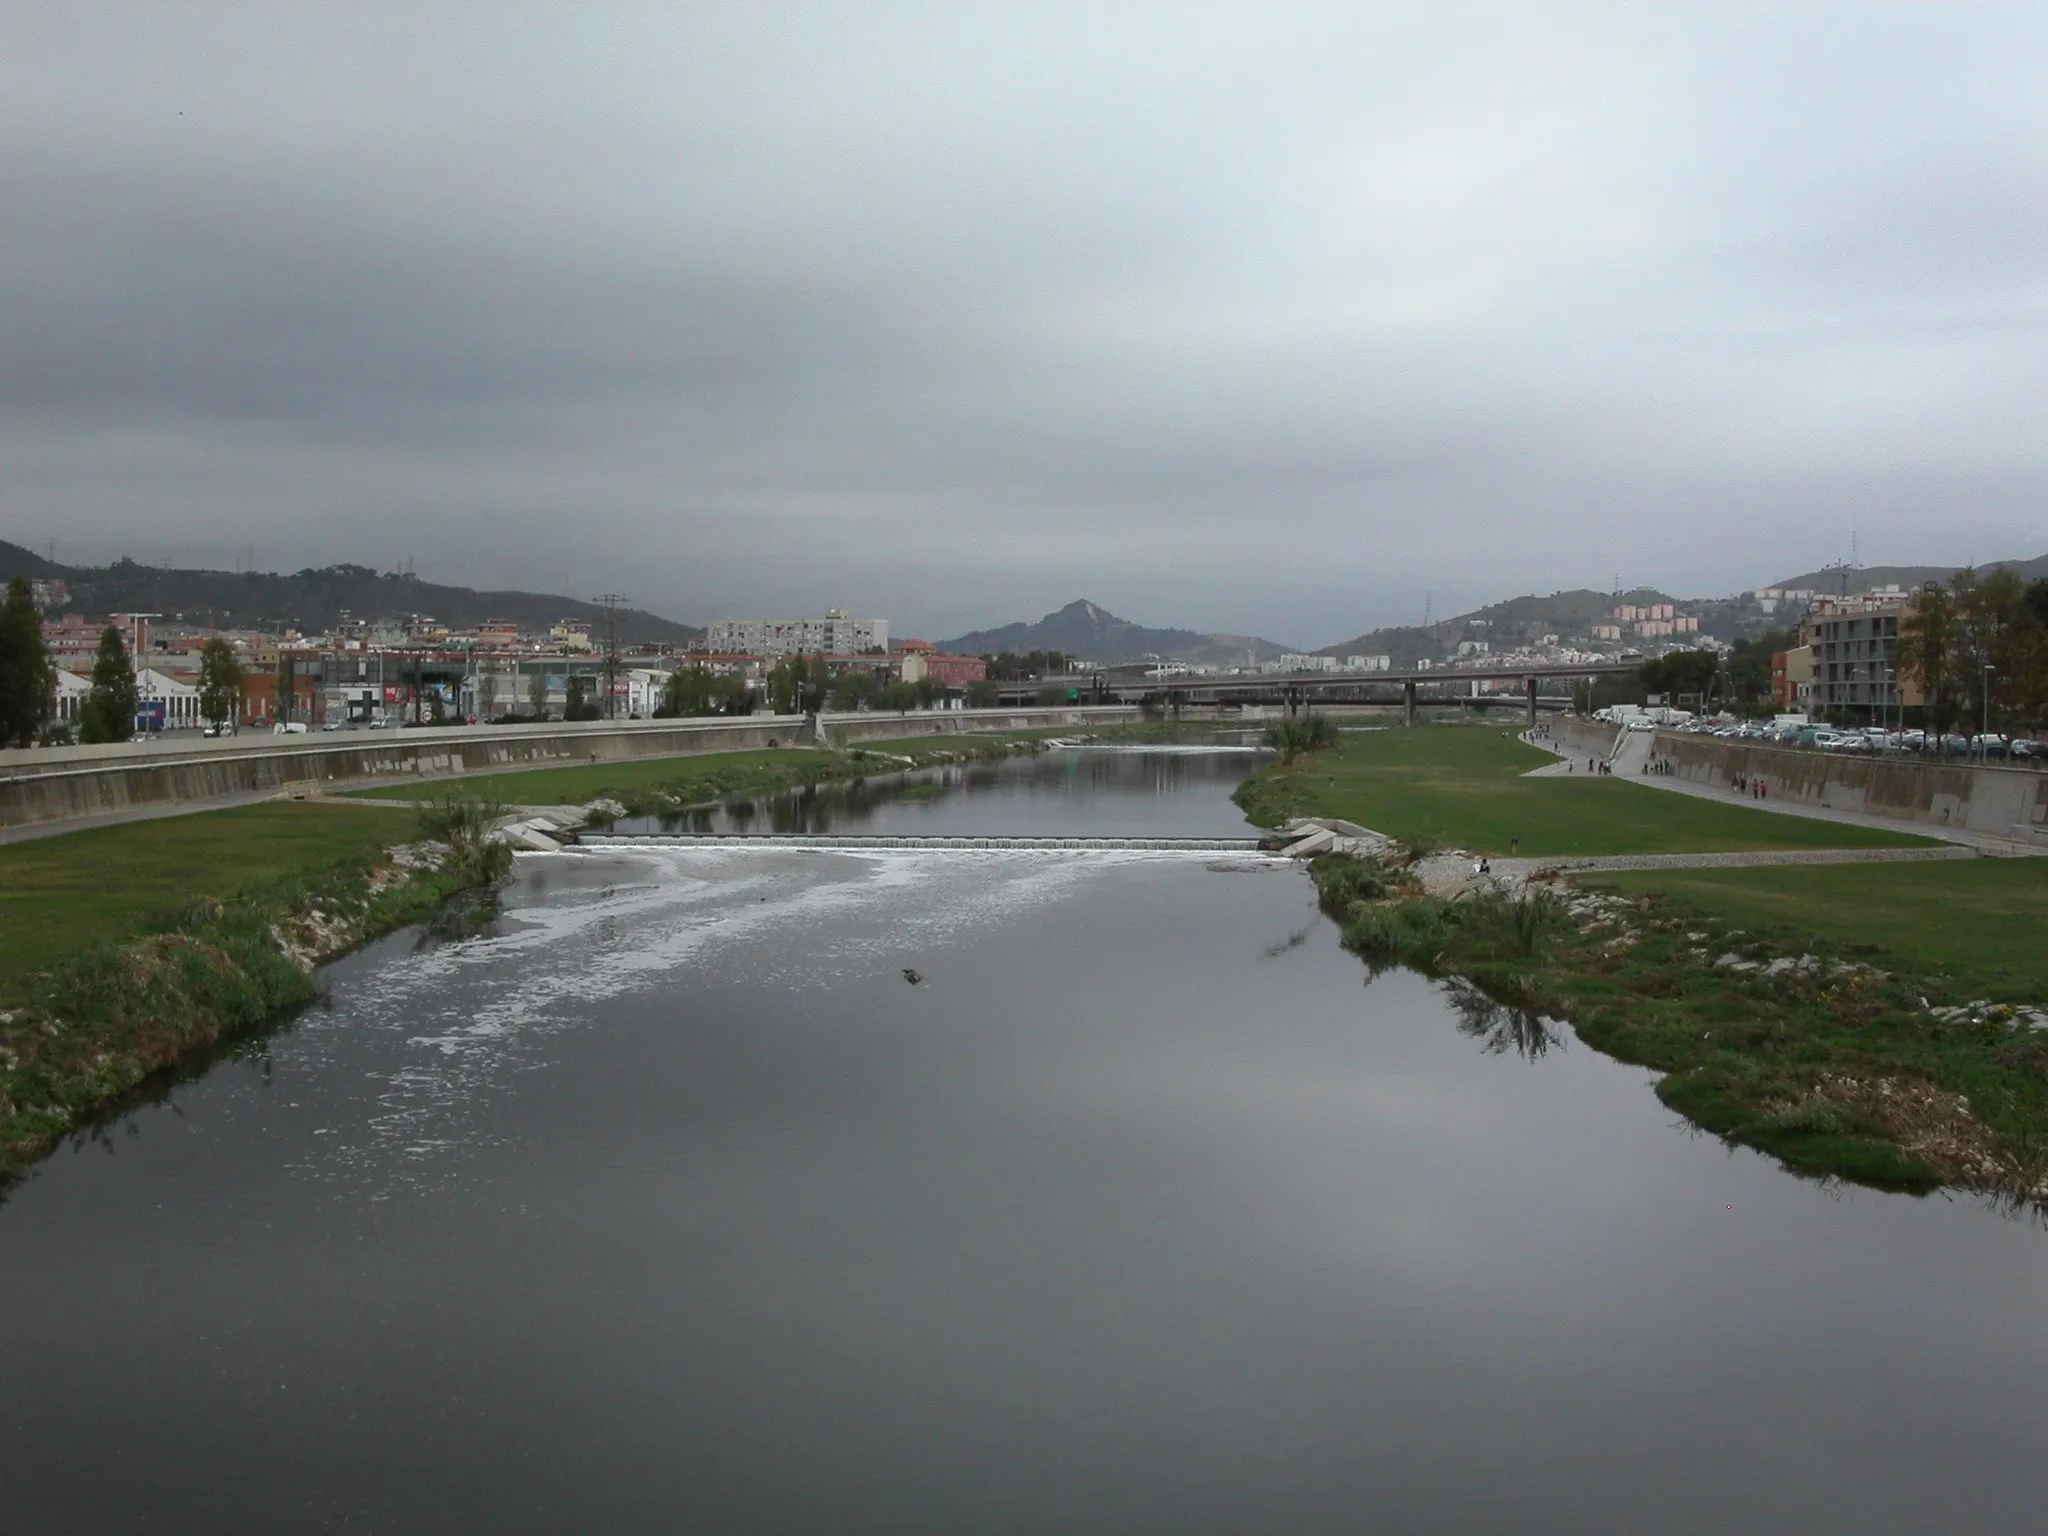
x=610 y=602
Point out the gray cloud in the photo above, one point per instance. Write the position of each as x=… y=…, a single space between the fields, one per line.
x=1244 y=317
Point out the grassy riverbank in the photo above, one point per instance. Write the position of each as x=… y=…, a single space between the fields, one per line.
x=1837 y=1063
x=1467 y=787
x=62 y=894
x=124 y=948
x=651 y=785
x=135 y=992
x=1868 y=1022
x=1982 y=924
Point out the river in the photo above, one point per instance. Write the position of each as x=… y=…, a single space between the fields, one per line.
x=669 y=1204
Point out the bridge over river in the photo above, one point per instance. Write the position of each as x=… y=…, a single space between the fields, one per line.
x=1295 y=689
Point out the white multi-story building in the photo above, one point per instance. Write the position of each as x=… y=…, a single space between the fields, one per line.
x=1292 y=661
x=1368 y=663
x=833 y=635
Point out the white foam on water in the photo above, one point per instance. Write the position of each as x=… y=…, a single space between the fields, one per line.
x=463 y=1019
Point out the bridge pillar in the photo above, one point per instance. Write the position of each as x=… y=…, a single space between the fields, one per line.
x=1532 y=703
x=1408 y=702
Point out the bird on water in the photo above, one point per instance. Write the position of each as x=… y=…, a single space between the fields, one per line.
x=911 y=976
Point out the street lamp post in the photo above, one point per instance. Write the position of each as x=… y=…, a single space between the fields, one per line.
x=1984 y=737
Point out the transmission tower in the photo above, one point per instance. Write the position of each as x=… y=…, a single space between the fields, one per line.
x=610 y=601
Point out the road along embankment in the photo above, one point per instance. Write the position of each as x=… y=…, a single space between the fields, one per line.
x=62 y=784
x=2000 y=802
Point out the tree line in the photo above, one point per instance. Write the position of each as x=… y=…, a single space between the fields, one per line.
x=1977 y=647
x=795 y=685
x=1021 y=666
x=28 y=682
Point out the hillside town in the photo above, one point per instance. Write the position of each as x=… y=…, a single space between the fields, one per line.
x=1831 y=656
x=376 y=673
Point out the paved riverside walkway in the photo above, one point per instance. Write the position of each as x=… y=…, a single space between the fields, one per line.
x=1987 y=843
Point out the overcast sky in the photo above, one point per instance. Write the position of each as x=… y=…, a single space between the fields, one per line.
x=1265 y=317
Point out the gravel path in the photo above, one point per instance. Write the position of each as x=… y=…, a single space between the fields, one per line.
x=1448 y=874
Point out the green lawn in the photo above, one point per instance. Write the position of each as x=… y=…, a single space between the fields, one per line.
x=61 y=894
x=1464 y=787
x=588 y=781
x=1984 y=921
x=697 y=776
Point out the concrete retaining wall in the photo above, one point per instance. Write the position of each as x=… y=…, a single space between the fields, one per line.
x=59 y=784
x=2005 y=802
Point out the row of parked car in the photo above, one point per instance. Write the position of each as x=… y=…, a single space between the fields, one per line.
x=1873 y=739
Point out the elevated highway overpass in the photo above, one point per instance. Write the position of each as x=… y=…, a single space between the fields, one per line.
x=1296 y=689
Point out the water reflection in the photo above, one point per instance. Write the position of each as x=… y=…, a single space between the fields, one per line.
x=1167 y=788
x=1499 y=1027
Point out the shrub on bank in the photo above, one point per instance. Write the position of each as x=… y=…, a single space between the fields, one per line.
x=1834 y=1067
x=1296 y=734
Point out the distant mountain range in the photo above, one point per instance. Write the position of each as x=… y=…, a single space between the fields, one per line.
x=313 y=601
x=1095 y=634
x=1862 y=577
x=1515 y=620
x=1573 y=613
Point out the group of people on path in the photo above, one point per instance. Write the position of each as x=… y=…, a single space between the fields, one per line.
x=1593 y=765
x=1756 y=788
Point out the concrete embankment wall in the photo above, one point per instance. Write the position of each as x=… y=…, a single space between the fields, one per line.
x=2005 y=802
x=1582 y=738
x=60 y=784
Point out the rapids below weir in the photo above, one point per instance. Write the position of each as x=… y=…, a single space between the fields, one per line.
x=669 y=1203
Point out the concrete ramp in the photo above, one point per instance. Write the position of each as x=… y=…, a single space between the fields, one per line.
x=1632 y=749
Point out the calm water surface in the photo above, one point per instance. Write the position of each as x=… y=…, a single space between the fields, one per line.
x=671 y=1206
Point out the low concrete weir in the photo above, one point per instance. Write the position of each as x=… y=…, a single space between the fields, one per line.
x=827 y=841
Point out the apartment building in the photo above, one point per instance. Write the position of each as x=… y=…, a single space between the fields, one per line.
x=1854 y=645
x=833 y=635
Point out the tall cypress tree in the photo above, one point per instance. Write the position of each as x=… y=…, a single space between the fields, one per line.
x=220 y=683
x=110 y=706
x=28 y=680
